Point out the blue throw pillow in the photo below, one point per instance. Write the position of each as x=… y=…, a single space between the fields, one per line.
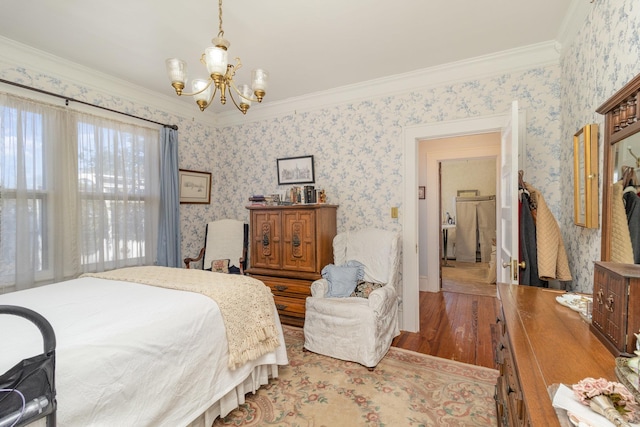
x=343 y=279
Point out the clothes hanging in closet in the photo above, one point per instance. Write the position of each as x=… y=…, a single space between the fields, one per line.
x=528 y=247
x=625 y=218
x=550 y=251
x=475 y=226
x=621 y=249
x=632 y=208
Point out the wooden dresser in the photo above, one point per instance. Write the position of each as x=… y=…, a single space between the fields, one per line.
x=616 y=306
x=289 y=247
x=541 y=343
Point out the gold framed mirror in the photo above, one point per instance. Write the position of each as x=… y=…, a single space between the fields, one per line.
x=585 y=177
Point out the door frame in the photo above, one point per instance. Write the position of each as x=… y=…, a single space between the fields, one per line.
x=412 y=136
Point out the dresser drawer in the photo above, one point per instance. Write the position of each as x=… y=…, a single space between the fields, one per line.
x=290 y=297
x=287 y=287
x=290 y=306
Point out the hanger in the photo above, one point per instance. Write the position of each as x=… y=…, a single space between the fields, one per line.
x=521 y=179
x=628 y=177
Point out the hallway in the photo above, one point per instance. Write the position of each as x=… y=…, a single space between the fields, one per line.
x=467 y=278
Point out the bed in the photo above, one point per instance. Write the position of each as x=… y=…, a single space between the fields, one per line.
x=133 y=354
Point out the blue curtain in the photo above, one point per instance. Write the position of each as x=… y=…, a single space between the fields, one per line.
x=169 y=222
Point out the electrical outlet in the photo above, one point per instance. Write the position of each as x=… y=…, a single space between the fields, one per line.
x=394 y=212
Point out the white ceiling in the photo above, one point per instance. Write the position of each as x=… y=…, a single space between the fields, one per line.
x=307 y=46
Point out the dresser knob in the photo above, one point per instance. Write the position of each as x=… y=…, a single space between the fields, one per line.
x=281 y=288
x=281 y=306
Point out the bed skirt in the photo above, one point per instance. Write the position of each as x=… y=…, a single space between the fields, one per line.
x=236 y=397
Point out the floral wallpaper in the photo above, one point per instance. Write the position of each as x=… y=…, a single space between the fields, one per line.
x=603 y=57
x=358 y=147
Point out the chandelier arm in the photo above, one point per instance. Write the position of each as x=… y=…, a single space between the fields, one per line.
x=201 y=90
x=238 y=65
x=233 y=85
x=234 y=101
x=213 y=95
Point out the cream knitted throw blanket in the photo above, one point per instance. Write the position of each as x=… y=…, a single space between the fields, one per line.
x=246 y=304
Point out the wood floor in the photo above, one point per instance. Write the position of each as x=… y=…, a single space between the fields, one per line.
x=457 y=323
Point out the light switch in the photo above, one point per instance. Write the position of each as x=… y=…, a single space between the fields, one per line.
x=394 y=212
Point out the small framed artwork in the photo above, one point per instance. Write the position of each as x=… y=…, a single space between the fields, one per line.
x=421 y=192
x=296 y=170
x=467 y=193
x=195 y=187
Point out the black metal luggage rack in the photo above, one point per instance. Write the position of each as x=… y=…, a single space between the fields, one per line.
x=27 y=390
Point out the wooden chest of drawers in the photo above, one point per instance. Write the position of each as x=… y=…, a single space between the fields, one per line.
x=542 y=343
x=289 y=247
x=616 y=306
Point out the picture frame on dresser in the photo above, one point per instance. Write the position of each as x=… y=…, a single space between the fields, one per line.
x=296 y=170
x=194 y=186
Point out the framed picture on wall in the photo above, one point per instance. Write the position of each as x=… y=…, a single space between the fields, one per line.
x=467 y=193
x=421 y=192
x=296 y=170
x=195 y=187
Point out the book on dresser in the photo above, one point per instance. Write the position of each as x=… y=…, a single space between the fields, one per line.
x=288 y=248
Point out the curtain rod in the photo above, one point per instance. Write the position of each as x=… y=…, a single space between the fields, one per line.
x=67 y=99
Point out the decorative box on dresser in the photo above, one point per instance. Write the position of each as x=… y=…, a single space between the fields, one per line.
x=616 y=306
x=541 y=343
x=289 y=247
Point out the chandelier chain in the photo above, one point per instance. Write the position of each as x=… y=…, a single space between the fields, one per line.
x=220 y=30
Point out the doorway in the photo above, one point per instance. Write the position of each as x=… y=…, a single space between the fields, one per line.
x=465 y=185
x=468 y=207
x=419 y=252
x=468 y=215
x=431 y=153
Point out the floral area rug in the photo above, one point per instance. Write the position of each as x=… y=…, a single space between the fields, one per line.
x=405 y=389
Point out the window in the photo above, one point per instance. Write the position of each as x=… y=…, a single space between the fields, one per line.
x=24 y=194
x=117 y=187
x=77 y=193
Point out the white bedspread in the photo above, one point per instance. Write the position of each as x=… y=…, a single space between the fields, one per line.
x=128 y=354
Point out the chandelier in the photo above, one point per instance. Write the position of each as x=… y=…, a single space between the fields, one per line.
x=221 y=75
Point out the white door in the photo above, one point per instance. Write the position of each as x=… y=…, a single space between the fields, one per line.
x=508 y=260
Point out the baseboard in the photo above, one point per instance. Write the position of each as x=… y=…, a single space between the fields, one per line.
x=424 y=284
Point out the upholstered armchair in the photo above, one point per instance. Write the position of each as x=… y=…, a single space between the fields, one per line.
x=352 y=313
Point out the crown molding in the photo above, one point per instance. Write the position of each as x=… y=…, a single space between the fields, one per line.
x=512 y=60
x=17 y=55
x=573 y=21
x=20 y=56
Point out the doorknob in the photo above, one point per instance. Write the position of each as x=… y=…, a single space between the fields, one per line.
x=514 y=264
x=522 y=264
